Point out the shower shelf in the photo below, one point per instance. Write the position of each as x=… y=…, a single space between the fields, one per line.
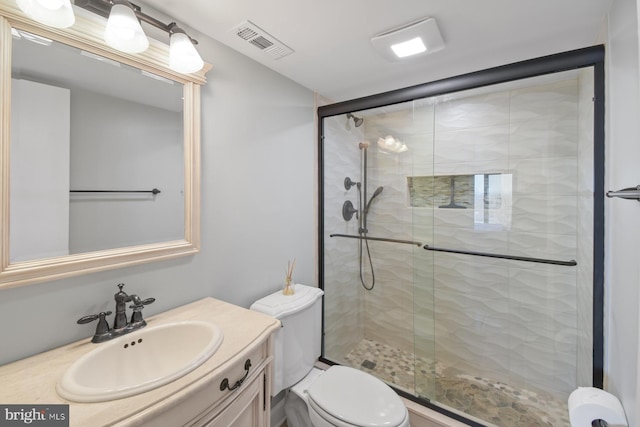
x=569 y=263
x=379 y=239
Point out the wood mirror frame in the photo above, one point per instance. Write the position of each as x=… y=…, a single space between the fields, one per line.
x=87 y=34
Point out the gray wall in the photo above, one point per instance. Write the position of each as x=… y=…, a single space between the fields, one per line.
x=622 y=232
x=117 y=144
x=257 y=213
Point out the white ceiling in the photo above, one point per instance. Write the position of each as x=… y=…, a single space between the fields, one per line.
x=333 y=55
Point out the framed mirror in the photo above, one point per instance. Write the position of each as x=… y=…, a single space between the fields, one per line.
x=99 y=152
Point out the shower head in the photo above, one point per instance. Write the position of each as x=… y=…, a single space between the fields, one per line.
x=375 y=194
x=356 y=120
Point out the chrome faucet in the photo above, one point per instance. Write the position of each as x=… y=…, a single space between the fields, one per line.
x=120 y=324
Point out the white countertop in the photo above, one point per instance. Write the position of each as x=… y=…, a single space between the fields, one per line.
x=33 y=380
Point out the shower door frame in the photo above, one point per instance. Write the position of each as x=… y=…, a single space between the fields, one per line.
x=572 y=60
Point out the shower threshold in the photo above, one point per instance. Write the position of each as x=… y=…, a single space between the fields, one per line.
x=493 y=402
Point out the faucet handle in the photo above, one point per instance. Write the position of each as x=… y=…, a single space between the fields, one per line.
x=102 y=330
x=138 y=303
x=92 y=317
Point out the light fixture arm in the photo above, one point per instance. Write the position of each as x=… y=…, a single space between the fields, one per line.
x=173 y=28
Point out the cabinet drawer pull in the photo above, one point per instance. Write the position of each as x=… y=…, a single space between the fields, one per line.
x=225 y=382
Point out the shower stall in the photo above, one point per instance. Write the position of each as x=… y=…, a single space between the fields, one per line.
x=461 y=238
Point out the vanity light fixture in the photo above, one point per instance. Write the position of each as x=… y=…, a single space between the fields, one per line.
x=54 y=13
x=417 y=38
x=123 y=30
x=183 y=56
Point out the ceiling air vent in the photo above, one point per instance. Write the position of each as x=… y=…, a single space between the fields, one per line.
x=251 y=33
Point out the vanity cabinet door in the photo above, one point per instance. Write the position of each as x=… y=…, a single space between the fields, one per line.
x=247 y=410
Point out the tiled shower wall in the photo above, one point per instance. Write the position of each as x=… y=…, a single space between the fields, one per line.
x=585 y=228
x=344 y=298
x=521 y=323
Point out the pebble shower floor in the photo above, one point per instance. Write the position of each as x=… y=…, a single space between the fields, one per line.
x=493 y=402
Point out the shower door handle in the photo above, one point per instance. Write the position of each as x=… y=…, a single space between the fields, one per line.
x=631 y=193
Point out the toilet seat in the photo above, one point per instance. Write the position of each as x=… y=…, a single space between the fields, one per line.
x=347 y=397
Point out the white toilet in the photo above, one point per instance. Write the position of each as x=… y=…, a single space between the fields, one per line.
x=338 y=397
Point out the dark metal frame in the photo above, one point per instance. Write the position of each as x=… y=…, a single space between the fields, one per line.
x=153 y=191
x=586 y=57
x=570 y=263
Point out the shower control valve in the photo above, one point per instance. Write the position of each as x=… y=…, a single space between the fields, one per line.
x=348 y=210
x=348 y=183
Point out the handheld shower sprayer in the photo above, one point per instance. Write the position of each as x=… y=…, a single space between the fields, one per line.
x=375 y=194
x=363 y=232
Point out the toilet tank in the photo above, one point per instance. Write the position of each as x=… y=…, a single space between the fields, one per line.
x=297 y=344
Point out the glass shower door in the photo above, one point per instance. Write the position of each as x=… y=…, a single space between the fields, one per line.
x=510 y=254
x=458 y=246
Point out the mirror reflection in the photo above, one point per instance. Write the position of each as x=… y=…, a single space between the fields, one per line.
x=91 y=139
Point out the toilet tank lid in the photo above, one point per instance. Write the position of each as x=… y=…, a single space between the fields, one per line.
x=279 y=305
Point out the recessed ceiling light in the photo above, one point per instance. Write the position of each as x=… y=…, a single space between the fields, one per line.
x=415 y=39
x=409 y=48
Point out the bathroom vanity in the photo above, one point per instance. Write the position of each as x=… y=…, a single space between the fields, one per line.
x=202 y=397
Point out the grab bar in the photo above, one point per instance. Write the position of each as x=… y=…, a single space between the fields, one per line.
x=631 y=193
x=379 y=239
x=512 y=257
x=154 y=191
x=569 y=263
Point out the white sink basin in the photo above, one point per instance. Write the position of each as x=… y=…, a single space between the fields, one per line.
x=140 y=361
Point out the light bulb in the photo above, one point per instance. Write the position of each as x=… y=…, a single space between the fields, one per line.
x=183 y=56
x=409 y=47
x=50 y=4
x=123 y=31
x=54 y=13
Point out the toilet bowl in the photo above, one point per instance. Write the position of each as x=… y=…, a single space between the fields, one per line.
x=337 y=397
x=347 y=397
x=344 y=397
